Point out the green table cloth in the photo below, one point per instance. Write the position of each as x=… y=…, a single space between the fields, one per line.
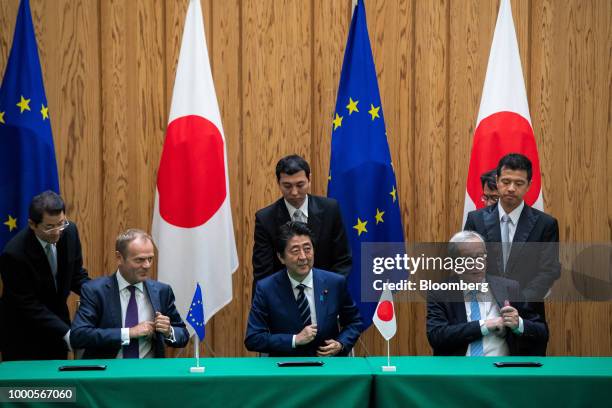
x=476 y=382
x=227 y=382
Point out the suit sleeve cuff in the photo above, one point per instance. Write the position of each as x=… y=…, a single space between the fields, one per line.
x=171 y=337
x=520 y=329
x=483 y=328
x=125 y=336
x=67 y=340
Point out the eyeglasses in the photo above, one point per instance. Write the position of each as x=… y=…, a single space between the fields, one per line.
x=59 y=228
x=485 y=198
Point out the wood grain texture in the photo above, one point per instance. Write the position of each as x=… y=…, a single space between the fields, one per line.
x=109 y=69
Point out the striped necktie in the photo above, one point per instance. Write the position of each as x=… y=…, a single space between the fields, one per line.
x=303 y=306
x=505 y=236
x=476 y=347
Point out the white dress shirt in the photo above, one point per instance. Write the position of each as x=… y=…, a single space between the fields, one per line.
x=308 y=293
x=514 y=216
x=145 y=313
x=303 y=208
x=492 y=344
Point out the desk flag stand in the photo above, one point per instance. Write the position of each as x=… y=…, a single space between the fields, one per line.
x=389 y=367
x=195 y=317
x=384 y=320
x=196 y=353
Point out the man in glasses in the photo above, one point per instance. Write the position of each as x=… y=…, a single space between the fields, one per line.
x=479 y=320
x=40 y=266
x=490 y=195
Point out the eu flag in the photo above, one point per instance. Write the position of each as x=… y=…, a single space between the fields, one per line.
x=195 y=316
x=27 y=155
x=361 y=176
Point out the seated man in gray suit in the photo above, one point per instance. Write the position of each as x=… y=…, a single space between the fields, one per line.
x=127 y=315
x=492 y=320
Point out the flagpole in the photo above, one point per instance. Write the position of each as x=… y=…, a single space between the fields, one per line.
x=196 y=353
x=389 y=367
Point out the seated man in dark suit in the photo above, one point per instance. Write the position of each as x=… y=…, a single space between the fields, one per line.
x=127 y=315
x=481 y=322
x=296 y=311
x=320 y=213
x=40 y=266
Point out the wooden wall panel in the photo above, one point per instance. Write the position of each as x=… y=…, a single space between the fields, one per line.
x=109 y=70
x=225 y=25
x=330 y=24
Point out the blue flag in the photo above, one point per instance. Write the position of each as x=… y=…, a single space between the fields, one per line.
x=361 y=176
x=195 y=316
x=27 y=155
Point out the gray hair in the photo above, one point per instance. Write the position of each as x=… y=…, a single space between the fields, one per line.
x=461 y=237
x=124 y=239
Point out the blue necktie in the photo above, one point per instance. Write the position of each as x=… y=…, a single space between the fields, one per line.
x=131 y=320
x=476 y=348
x=303 y=306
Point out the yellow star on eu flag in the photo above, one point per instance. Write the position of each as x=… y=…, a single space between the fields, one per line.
x=360 y=226
x=374 y=111
x=44 y=111
x=24 y=104
x=352 y=106
x=337 y=121
x=394 y=194
x=11 y=223
x=379 y=216
x=2 y=117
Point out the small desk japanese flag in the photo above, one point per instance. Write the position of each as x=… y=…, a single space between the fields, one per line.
x=384 y=315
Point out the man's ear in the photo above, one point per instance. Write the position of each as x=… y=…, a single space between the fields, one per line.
x=31 y=224
x=280 y=258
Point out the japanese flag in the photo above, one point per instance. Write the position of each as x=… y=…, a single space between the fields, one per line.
x=504 y=124
x=384 y=315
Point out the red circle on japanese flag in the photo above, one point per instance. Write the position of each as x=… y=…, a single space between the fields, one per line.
x=496 y=136
x=385 y=311
x=191 y=177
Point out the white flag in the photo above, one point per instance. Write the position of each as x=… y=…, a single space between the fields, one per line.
x=384 y=315
x=504 y=124
x=192 y=220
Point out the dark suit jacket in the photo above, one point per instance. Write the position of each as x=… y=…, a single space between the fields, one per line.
x=274 y=316
x=332 y=252
x=534 y=266
x=449 y=333
x=36 y=314
x=97 y=324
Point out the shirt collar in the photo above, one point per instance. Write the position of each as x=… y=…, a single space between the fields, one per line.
x=514 y=214
x=43 y=242
x=292 y=209
x=124 y=284
x=306 y=282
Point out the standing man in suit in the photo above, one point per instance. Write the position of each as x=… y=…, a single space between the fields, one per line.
x=320 y=213
x=39 y=267
x=481 y=322
x=297 y=311
x=529 y=251
x=127 y=315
